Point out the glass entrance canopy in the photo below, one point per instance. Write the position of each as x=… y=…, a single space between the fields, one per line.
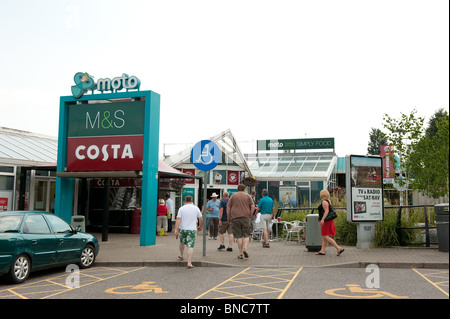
x=292 y=166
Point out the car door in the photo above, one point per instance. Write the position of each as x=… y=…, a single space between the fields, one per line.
x=39 y=240
x=69 y=244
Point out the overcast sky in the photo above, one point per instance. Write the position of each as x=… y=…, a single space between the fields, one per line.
x=264 y=69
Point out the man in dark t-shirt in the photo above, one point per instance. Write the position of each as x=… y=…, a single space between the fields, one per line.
x=224 y=224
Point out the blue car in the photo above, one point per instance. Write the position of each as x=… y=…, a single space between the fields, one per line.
x=32 y=240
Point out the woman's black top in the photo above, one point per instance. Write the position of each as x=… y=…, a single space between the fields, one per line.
x=322 y=211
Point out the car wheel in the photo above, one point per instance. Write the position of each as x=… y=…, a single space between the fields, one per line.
x=87 y=257
x=20 y=269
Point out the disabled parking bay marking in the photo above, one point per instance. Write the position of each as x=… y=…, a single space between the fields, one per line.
x=253 y=283
x=145 y=287
x=55 y=285
x=437 y=277
x=356 y=291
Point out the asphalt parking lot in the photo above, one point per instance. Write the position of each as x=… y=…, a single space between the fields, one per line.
x=231 y=283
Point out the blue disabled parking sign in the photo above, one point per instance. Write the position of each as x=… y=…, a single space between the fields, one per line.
x=206 y=155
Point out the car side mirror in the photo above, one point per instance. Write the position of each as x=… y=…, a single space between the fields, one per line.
x=76 y=229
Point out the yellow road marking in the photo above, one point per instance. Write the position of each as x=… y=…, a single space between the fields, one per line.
x=61 y=288
x=249 y=278
x=212 y=289
x=289 y=284
x=17 y=294
x=434 y=283
x=356 y=291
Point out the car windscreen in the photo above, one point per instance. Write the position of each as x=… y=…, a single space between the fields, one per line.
x=10 y=223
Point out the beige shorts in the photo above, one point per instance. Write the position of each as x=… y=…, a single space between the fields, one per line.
x=265 y=221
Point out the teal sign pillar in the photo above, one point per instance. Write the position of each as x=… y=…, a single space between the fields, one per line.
x=150 y=170
x=150 y=153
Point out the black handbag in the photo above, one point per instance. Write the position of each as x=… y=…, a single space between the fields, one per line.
x=331 y=214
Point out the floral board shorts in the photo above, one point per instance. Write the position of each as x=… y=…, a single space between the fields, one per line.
x=187 y=237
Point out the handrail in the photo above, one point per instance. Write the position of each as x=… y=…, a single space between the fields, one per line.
x=398 y=226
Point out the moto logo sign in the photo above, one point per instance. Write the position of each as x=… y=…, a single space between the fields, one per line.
x=118 y=83
x=85 y=82
x=276 y=144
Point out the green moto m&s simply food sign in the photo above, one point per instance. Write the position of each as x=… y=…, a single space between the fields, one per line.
x=105 y=136
x=296 y=144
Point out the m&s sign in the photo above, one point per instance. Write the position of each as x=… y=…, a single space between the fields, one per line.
x=105 y=136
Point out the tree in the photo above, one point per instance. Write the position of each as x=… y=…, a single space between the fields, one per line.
x=404 y=134
x=429 y=162
x=376 y=139
x=432 y=125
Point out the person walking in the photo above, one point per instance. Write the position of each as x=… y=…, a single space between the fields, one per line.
x=213 y=207
x=186 y=229
x=267 y=209
x=171 y=207
x=225 y=224
x=241 y=207
x=161 y=217
x=327 y=227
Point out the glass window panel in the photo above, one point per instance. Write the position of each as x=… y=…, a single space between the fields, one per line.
x=308 y=167
x=7 y=183
x=322 y=167
x=58 y=225
x=6 y=169
x=35 y=224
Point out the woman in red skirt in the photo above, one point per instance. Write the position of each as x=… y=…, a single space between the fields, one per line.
x=327 y=227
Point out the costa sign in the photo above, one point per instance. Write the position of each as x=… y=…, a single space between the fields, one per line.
x=107 y=153
x=105 y=136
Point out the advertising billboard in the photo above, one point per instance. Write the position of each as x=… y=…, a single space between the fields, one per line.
x=105 y=136
x=288 y=196
x=365 y=194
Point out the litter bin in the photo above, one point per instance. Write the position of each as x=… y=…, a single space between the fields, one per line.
x=135 y=221
x=312 y=232
x=78 y=223
x=441 y=212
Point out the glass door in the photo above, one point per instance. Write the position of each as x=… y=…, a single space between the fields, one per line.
x=44 y=195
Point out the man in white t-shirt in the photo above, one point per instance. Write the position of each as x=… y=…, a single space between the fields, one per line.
x=186 y=227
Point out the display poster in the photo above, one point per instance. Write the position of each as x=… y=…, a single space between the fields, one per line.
x=3 y=204
x=288 y=196
x=189 y=171
x=233 y=178
x=366 y=180
x=386 y=152
x=6 y=200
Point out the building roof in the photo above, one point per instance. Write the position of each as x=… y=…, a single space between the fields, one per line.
x=27 y=149
x=292 y=166
x=231 y=153
x=24 y=148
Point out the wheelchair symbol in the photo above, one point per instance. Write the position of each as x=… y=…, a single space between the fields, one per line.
x=355 y=291
x=138 y=289
x=205 y=155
